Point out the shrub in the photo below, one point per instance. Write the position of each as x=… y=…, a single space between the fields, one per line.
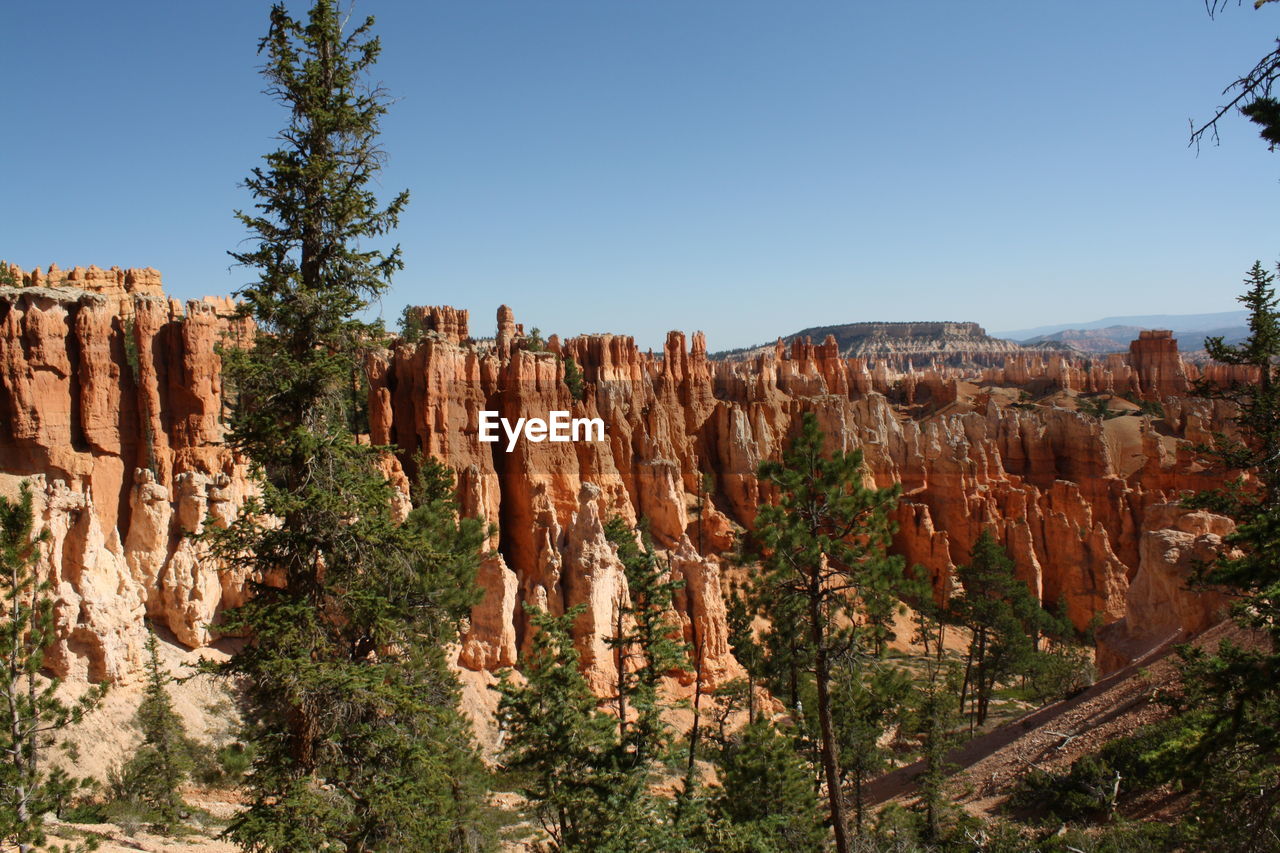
x=1087 y=791
x=411 y=325
x=573 y=378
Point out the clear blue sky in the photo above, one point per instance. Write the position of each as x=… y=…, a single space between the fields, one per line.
x=745 y=167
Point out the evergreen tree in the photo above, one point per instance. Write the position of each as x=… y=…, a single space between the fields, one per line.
x=645 y=647
x=740 y=617
x=867 y=701
x=351 y=710
x=163 y=761
x=410 y=324
x=766 y=788
x=1252 y=93
x=587 y=772
x=1004 y=619
x=556 y=739
x=1230 y=740
x=573 y=379
x=31 y=713
x=826 y=563
x=534 y=342
x=934 y=720
x=456 y=545
x=787 y=661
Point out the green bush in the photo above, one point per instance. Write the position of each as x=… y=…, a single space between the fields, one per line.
x=411 y=324
x=1087 y=791
x=1155 y=754
x=1098 y=407
x=1060 y=672
x=534 y=342
x=1147 y=837
x=1124 y=766
x=224 y=767
x=573 y=378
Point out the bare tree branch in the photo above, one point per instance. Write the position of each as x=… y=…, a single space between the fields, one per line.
x=1257 y=83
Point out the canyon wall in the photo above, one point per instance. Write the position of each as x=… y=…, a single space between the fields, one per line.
x=111 y=401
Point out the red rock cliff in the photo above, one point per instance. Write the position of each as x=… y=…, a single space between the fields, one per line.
x=111 y=396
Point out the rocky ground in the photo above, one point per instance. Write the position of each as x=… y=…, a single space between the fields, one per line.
x=989 y=768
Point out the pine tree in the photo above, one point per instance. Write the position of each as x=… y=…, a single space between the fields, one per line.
x=645 y=647
x=825 y=544
x=30 y=711
x=455 y=544
x=556 y=739
x=573 y=379
x=411 y=324
x=163 y=761
x=766 y=788
x=935 y=716
x=867 y=700
x=788 y=656
x=740 y=616
x=534 y=342
x=1230 y=740
x=1005 y=623
x=588 y=772
x=350 y=707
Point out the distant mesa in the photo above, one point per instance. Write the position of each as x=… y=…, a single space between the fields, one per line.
x=938 y=342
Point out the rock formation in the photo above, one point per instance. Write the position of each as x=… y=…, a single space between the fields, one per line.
x=111 y=398
x=903 y=346
x=1162 y=604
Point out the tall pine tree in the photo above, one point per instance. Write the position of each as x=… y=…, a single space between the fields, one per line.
x=1230 y=741
x=644 y=645
x=351 y=710
x=30 y=711
x=558 y=742
x=163 y=761
x=1005 y=622
x=825 y=542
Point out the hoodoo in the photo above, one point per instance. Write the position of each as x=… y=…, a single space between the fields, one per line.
x=112 y=395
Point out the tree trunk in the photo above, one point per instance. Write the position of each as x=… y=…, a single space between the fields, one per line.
x=857 y=800
x=620 y=661
x=697 y=700
x=830 y=751
x=794 y=682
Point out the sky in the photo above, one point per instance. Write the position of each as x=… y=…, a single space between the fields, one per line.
x=743 y=167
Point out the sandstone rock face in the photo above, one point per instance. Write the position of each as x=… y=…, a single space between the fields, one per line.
x=1154 y=356
x=1160 y=604
x=593 y=577
x=700 y=604
x=113 y=394
x=489 y=641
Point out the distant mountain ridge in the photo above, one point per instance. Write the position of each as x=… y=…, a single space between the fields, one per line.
x=1201 y=323
x=1117 y=338
x=1113 y=334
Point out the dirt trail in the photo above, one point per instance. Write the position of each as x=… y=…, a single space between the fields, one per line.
x=1061 y=723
